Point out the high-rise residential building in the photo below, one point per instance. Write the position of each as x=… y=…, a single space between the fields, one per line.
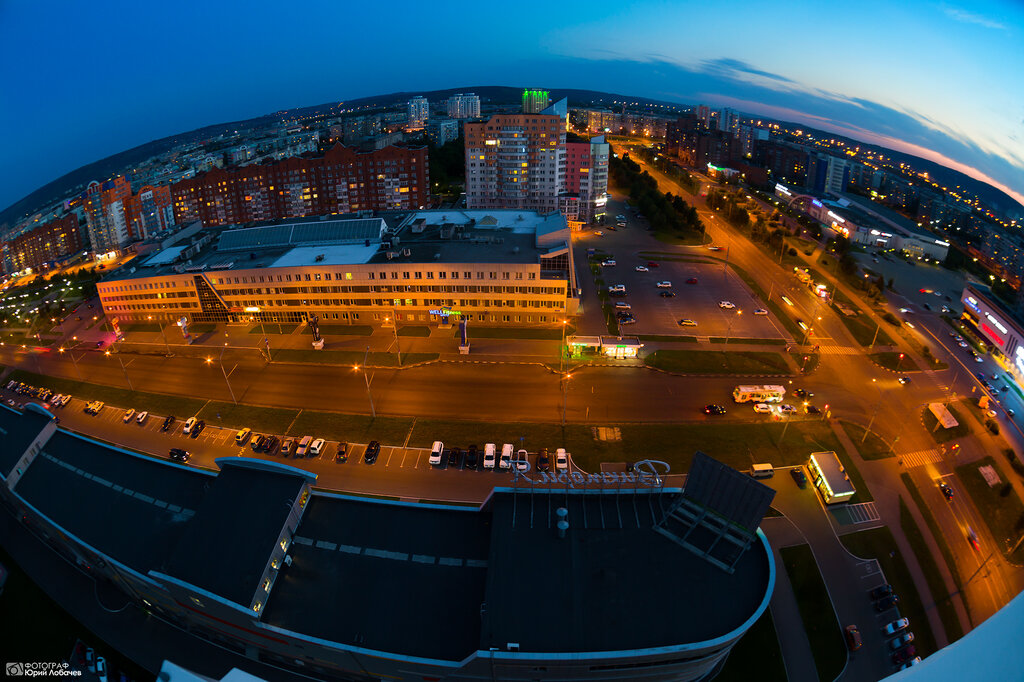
x=46 y=243
x=343 y=180
x=419 y=113
x=152 y=211
x=107 y=208
x=441 y=131
x=838 y=174
x=748 y=136
x=464 y=106
x=535 y=101
x=704 y=115
x=586 y=179
x=515 y=161
x=728 y=120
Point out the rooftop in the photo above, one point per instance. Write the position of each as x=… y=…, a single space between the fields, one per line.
x=129 y=507
x=236 y=526
x=18 y=431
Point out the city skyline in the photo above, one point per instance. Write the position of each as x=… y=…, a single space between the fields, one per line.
x=922 y=79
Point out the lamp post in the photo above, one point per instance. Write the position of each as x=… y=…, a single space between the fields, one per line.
x=728 y=331
x=166 y=345
x=263 y=331
x=123 y=369
x=373 y=411
x=561 y=349
x=73 y=361
x=565 y=390
x=899 y=362
x=878 y=406
x=220 y=360
x=398 y=346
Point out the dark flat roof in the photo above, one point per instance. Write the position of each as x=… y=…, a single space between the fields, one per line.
x=131 y=508
x=398 y=578
x=234 y=532
x=606 y=588
x=17 y=431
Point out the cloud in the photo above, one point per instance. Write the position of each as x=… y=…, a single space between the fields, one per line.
x=965 y=17
x=728 y=67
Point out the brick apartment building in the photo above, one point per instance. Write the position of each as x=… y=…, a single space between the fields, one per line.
x=46 y=243
x=343 y=180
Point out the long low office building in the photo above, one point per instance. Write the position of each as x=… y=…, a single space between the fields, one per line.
x=618 y=581
x=490 y=266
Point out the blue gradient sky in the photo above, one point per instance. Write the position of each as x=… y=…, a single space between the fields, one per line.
x=80 y=81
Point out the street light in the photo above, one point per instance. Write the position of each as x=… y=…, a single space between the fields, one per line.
x=565 y=389
x=166 y=345
x=369 y=395
x=899 y=362
x=728 y=330
x=223 y=371
x=878 y=406
x=561 y=349
x=74 y=362
x=123 y=369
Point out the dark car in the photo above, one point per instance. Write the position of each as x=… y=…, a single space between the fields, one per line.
x=853 y=640
x=623 y=314
x=811 y=409
x=257 y=442
x=667 y=294
x=342 y=454
x=881 y=591
x=372 y=452
x=886 y=603
x=179 y=455
x=904 y=654
x=270 y=445
x=714 y=409
x=197 y=428
x=904 y=380
x=799 y=476
x=471 y=457
x=454 y=455
x=167 y=423
x=543 y=462
x=946 y=490
x=692 y=280
x=801 y=393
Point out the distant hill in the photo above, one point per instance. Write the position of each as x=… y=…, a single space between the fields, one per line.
x=489 y=94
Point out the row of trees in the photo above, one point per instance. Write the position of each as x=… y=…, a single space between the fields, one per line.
x=664 y=211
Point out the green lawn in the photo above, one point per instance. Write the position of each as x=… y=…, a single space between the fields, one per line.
x=265 y=419
x=517 y=333
x=274 y=328
x=1004 y=514
x=863 y=329
x=810 y=364
x=870 y=446
x=879 y=544
x=414 y=330
x=816 y=611
x=129 y=327
x=943 y=435
x=718 y=362
x=350 y=357
x=757 y=656
x=936 y=585
x=740 y=339
x=341 y=330
x=892 y=360
x=202 y=328
x=355 y=428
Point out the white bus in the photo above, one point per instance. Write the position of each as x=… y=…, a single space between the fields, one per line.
x=759 y=394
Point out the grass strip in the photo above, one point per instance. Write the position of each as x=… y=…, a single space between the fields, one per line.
x=355 y=428
x=759 y=342
x=869 y=445
x=879 y=544
x=414 y=330
x=864 y=331
x=665 y=338
x=936 y=585
x=940 y=540
x=350 y=357
x=272 y=328
x=780 y=313
x=341 y=330
x=897 y=362
x=816 y=611
x=517 y=333
x=944 y=435
x=718 y=362
x=259 y=419
x=999 y=506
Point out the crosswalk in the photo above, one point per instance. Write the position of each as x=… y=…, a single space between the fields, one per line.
x=863 y=512
x=920 y=458
x=837 y=349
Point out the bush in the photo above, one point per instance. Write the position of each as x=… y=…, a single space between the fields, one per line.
x=1005 y=490
x=792 y=252
x=891 y=319
x=992 y=426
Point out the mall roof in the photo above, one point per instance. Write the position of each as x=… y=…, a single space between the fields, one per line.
x=18 y=430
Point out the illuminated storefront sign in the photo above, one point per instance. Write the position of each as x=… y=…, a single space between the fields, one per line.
x=444 y=311
x=996 y=322
x=842 y=220
x=972 y=303
x=816 y=203
x=780 y=189
x=1018 y=359
x=941 y=243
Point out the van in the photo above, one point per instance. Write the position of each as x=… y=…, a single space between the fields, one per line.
x=489 y=455
x=506 y=456
x=762 y=471
x=436 y=451
x=303 y=447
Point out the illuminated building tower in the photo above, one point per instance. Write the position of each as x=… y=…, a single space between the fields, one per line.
x=535 y=101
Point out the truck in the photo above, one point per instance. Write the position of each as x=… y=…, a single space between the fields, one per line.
x=759 y=394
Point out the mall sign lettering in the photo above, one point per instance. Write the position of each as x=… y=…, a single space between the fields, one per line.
x=647 y=473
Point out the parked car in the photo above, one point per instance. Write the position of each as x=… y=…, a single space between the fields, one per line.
x=904 y=654
x=270 y=445
x=522 y=460
x=179 y=455
x=490 y=456
x=197 y=428
x=895 y=626
x=242 y=436
x=641 y=268
x=853 y=641
x=622 y=305
x=256 y=442
x=692 y=280
x=505 y=461
x=342 y=453
x=128 y=415
x=317 y=448
x=901 y=641
x=167 y=423
x=714 y=409
x=881 y=591
x=762 y=408
x=787 y=409
x=372 y=452
x=436 y=452
x=664 y=284
x=886 y=603
x=141 y=417
x=189 y=424
x=760 y=311
x=726 y=304
x=286 y=446
x=561 y=459
x=664 y=293
x=627 y=320
x=799 y=476
x=543 y=461
x=811 y=409
x=454 y=455
x=471 y=457
x=687 y=323
x=608 y=263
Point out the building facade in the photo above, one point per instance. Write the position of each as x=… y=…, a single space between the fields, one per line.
x=464 y=106
x=586 y=179
x=535 y=101
x=441 y=131
x=341 y=181
x=427 y=267
x=47 y=243
x=419 y=113
x=107 y=208
x=515 y=161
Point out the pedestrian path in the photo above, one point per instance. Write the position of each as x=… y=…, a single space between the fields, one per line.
x=837 y=349
x=920 y=458
x=852 y=514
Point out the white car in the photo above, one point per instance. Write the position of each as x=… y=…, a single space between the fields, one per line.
x=522 y=462
x=622 y=305
x=436 y=452
x=642 y=268
x=991 y=414
x=763 y=408
x=101 y=668
x=901 y=641
x=978 y=358
x=895 y=626
x=787 y=409
x=561 y=459
x=189 y=425
x=317 y=447
x=608 y=263
x=489 y=458
x=760 y=311
x=505 y=461
x=141 y=418
x=665 y=285
x=128 y=414
x=600 y=233
x=726 y=304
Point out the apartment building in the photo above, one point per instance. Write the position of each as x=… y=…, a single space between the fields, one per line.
x=46 y=243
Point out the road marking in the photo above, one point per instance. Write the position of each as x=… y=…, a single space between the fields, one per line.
x=920 y=458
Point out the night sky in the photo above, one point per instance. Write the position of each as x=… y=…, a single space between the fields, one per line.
x=80 y=81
